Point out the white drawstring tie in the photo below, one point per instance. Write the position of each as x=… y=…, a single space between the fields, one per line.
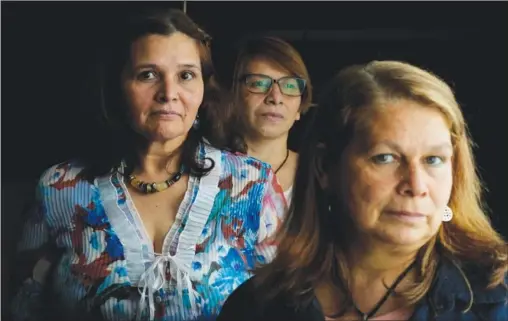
x=154 y=279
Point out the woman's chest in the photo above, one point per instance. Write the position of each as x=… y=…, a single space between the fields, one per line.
x=107 y=253
x=98 y=275
x=97 y=241
x=156 y=213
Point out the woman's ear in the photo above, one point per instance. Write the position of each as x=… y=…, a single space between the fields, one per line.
x=320 y=168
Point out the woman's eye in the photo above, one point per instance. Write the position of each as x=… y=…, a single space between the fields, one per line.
x=434 y=160
x=383 y=159
x=187 y=75
x=147 y=75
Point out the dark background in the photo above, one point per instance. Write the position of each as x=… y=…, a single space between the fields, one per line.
x=48 y=50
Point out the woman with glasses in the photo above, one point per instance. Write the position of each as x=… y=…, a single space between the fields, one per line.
x=271 y=88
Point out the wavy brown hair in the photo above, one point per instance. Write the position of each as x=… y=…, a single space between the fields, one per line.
x=312 y=242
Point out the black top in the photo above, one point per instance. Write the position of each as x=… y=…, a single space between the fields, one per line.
x=445 y=301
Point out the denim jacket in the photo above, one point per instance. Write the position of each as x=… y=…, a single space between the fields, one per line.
x=448 y=297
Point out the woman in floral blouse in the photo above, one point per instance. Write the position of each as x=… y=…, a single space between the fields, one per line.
x=159 y=222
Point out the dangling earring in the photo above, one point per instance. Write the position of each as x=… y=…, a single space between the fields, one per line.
x=447 y=214
x=195 y=125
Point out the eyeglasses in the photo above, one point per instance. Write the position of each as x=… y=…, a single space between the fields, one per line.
x=262 y=84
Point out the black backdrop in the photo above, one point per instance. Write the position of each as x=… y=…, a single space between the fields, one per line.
x=48 y=50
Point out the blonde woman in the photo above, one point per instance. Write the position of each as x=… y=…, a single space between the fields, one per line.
x=387 y=222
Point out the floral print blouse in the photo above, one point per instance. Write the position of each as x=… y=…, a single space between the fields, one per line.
x=107 y=267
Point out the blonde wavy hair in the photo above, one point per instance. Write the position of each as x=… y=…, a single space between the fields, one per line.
x=308 y=249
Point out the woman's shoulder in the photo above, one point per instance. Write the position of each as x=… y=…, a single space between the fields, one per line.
x=244 y=304
x=481 y=275
x=241 y=158
x=483 y=291
x=249 y=303
x=62 y=175
x=245 y=165
x=468 y=282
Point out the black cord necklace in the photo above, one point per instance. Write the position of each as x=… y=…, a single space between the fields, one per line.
x=365 y=316
x=283 y=162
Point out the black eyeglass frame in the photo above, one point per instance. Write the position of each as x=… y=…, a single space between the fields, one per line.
x=244 y=78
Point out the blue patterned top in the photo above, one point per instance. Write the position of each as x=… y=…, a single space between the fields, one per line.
x=224 y=227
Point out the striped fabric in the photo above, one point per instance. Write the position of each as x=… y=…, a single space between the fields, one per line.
x=223 y=228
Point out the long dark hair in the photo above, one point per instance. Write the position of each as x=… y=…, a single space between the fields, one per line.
x=118 y=141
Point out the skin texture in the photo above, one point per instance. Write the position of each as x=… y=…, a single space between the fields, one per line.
x=400 y=161
x=164 y=86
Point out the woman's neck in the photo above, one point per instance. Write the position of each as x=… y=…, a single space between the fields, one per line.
x=372 y=270
x=381 y=261
x=271 y=151
x=159 y=160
